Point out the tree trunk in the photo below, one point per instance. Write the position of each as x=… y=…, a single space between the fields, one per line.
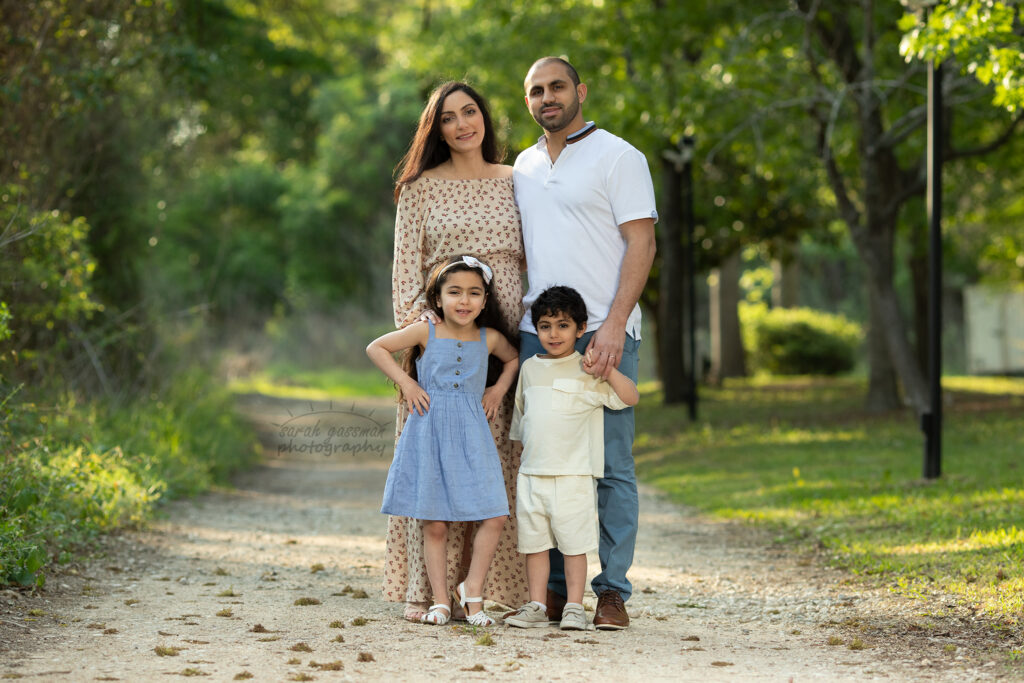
x=786 y=280
x=870 y=212
x=883 y=389
x=727 y=357
x=670 y=288
x=875 y=245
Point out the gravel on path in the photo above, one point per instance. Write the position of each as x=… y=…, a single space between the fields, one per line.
x=278 y=579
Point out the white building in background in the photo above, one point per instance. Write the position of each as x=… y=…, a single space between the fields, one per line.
x=994 y=320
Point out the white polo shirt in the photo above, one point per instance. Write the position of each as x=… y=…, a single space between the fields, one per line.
x=571 y=212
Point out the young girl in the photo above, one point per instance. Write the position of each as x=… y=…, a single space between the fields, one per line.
x=446 y=467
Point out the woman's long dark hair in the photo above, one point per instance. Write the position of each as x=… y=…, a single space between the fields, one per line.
x=490 y=316
x=428 y=149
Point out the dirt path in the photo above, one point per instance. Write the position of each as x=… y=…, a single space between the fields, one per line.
x=215 y=587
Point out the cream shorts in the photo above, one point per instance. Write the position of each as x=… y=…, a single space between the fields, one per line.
x=557 y=512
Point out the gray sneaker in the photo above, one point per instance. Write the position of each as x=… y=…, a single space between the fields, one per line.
x=573 y=618
x=528 y=616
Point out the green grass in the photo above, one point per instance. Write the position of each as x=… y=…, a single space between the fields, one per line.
x=286 y=381
x=72 y=469
x=802 y=457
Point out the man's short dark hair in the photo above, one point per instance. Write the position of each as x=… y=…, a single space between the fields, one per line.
x=544 y=61
x=560 y=299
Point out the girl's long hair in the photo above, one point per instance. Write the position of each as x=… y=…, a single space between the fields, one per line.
x=490 y=316
x=428 y=149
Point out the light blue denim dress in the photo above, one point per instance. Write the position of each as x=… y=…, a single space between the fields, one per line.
x=446 y=466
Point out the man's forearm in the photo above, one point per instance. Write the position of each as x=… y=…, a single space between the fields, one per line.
x=636 y=266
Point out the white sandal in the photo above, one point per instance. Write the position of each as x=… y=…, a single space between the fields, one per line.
x=435 y=616
x=478 y=619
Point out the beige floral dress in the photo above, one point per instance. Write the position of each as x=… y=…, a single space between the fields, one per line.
x=437 y=219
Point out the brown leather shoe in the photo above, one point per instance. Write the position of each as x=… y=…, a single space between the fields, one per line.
x=556 y=603
x=611 y=612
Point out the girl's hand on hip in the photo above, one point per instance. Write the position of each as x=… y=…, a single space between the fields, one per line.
x=416 y=399
x=492 y=401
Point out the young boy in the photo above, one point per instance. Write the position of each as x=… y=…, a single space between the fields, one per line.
x=559 y=418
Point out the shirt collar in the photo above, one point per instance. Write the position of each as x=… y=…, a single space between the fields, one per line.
x=583 y=132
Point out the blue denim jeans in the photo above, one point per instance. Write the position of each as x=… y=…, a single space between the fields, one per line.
x=618 y=507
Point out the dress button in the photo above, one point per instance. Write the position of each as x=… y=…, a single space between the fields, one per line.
x=456 y=385
x=459 y=344
x=458 y=372
x=459 y=359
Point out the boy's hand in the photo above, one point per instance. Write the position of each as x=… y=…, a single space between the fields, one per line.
x=416 y=399
x=492 y=401
x=588 y=363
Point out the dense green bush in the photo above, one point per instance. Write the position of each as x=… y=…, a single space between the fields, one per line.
x=799 y=341
x=45 y=280
x=72 y=471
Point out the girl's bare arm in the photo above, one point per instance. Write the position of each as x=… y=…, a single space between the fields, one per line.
x=381 y=352
x=500 y=347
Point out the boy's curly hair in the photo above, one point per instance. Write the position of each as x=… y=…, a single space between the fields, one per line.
x=559 y=299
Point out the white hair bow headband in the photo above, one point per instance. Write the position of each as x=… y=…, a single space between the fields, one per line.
x=474 y=263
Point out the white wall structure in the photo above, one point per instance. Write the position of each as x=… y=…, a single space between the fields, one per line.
x=994 y=318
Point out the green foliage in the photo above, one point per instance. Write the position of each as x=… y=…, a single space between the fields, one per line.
x=799 y=341
x=5 y=324
x=799 y=456
x=983 y=36
x=72 y=471
x=222 y=243
x=47 y=277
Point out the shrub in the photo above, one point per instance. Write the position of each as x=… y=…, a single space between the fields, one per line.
x=72 y=471
x=47 y=278
x=799 y=341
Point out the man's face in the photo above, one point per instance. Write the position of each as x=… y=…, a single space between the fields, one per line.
x=551 y=96
x=558 y=334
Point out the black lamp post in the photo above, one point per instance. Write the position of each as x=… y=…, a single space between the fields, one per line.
x=931 y=420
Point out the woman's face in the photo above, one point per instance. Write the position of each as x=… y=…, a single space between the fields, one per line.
x=462 y=123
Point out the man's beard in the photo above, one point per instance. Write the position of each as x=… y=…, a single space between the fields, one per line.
x=555 y=125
